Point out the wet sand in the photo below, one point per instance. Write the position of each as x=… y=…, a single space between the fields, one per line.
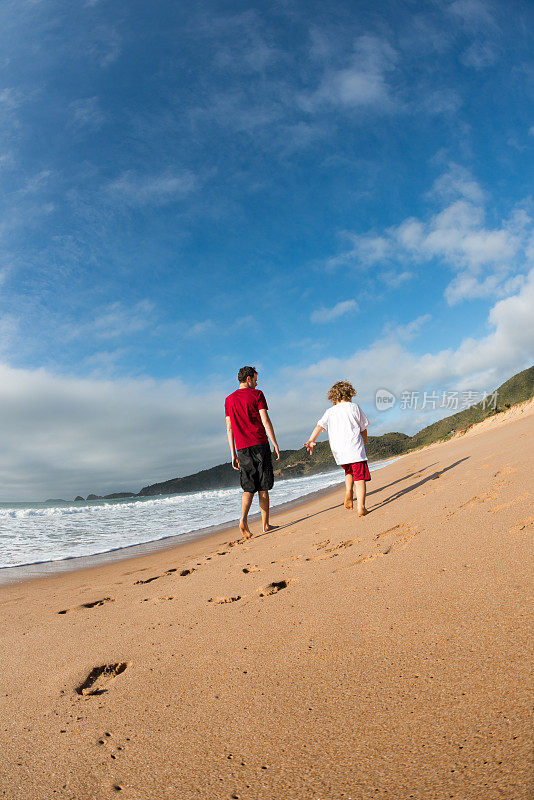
x=336 y=657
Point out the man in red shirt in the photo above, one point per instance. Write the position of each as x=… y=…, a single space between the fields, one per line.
x=247 y=426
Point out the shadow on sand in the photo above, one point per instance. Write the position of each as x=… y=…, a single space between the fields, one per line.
x=395 y=496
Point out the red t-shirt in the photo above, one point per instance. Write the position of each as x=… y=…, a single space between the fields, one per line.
x=243 y=407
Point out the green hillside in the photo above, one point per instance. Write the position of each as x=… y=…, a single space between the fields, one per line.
x=515 y=390
x=294 y=463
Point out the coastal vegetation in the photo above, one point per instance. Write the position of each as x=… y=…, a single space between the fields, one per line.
x=296 y=463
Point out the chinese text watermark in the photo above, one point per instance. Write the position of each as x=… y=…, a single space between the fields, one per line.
x=451 y=400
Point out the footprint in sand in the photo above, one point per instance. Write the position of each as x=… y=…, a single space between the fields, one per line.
x=361 y=560
x=396 y=530
x=223 y=600
x=157 y=599
x=287 y=560
x=331 y=550
x=321 y=558
x=108 y=743
x=99 y=678
x=364 y=559
x=320 y=545
x=342 y=545
x=251 y=568
x=511 y=503
x=506 y=470
x=92 y=604
x=479 y=498
x=183 y=573
x=398 y=536
x=274 y=588
x=522 y=524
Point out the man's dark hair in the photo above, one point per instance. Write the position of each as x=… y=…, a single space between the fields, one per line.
x=246 y=372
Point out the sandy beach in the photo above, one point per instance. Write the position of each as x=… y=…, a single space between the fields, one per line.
x=336 y=658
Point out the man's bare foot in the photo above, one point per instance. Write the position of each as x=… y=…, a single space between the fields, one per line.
x=349 y=502
x=243 y=527
x=270 y=528
x=362 y=512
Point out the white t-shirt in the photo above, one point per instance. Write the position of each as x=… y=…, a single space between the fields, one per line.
x=344 y=423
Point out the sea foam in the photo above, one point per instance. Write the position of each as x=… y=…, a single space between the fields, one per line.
x=32 y=533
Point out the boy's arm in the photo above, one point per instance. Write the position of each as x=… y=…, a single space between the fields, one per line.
x=364 y=435
x=310 y=444
x=231 y=442
x=268 y=425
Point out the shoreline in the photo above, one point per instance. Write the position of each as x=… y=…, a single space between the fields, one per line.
x=334 y=657
x=20 y=573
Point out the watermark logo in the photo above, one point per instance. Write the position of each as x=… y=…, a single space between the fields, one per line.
x=451 y=400
x=384 y=399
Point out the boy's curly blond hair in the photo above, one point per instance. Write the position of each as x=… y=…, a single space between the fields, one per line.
x=342 y=390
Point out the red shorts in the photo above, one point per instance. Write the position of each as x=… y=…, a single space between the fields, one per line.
x=359 y=470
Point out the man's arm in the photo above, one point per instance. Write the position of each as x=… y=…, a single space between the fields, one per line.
x=364 y=435
x=268 y=425
x=310 y=444
x=231 y=442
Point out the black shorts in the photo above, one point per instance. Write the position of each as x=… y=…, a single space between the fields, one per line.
x=256 y=468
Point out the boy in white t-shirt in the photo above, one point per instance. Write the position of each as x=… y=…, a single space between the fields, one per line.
x=347 y=431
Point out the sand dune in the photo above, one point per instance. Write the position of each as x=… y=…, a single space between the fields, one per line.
x=334 y=658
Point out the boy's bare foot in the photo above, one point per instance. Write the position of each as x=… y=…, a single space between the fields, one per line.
x=349 y=502
x=362 y=512
x=243 y=527
x=270 y=528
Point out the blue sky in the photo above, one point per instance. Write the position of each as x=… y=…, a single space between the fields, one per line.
x=326 y=193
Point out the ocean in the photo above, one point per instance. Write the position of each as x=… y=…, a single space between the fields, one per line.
x=36 y=533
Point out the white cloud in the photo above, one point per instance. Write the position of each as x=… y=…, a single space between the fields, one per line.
x=86 y=113
x=339 y=310
x=479 y=55
x=104 y=44
x=116 y=320
x=361 y=83
x=409 y=331
x=477 y=20
x=485 y=259
x=237 y=110
x=394 y=279
x=441 y=101
x=199 y=328
x=103 y=363
x=61 y=436
x=9 y=329
x=480 y=364
x=10 y=98
x=473 y=14
x=35 y=183
x=6 y=160
x=469 y=286
x=138 y=190
x=457 y=182
x=365 y=251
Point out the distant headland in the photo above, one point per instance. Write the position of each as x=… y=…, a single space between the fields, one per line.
x=296 y=463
